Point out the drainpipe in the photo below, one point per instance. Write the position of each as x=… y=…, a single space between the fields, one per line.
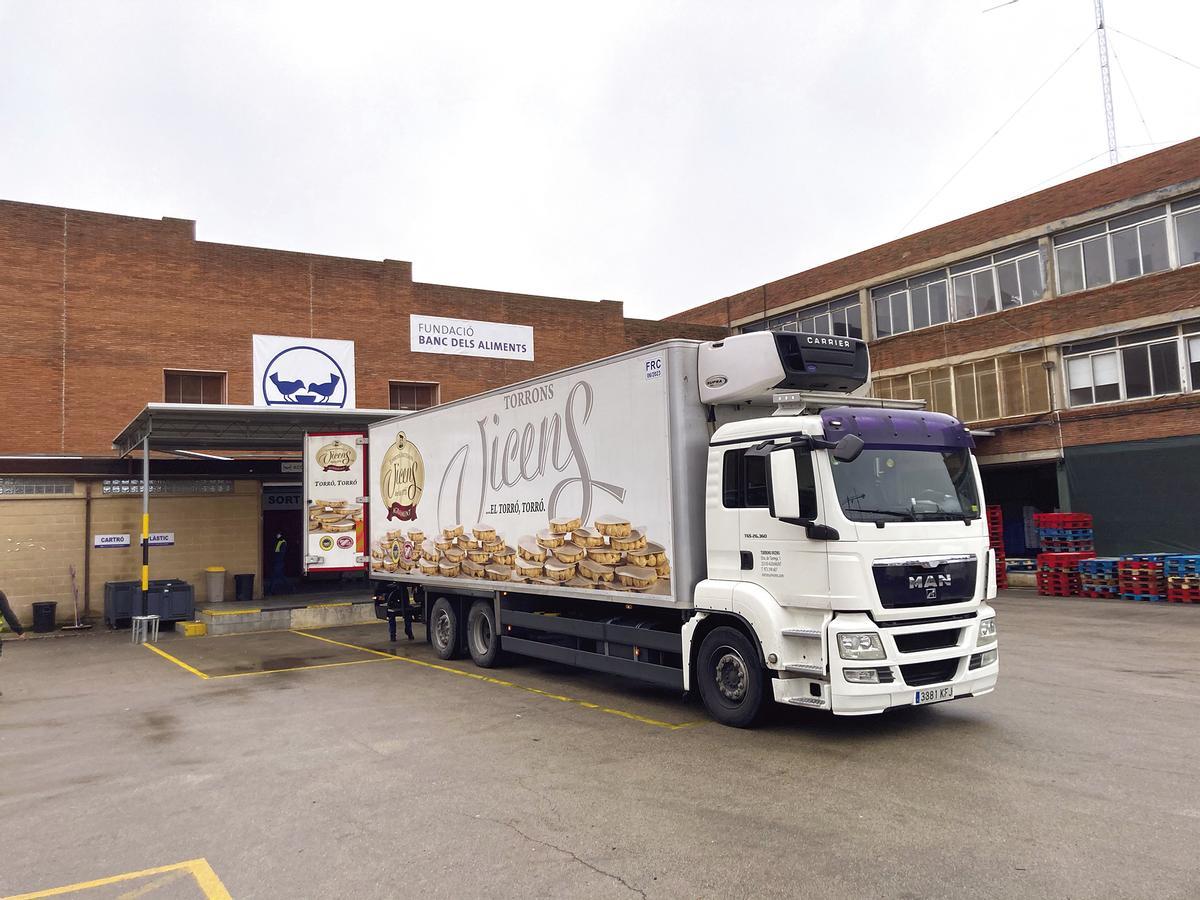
x=87 y=549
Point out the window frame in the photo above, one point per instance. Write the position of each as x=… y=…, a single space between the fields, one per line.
x=1118 y=345
x=948 y=378
x=201 y=373
x=948 y=275
x=397 y=383
x=793 y=320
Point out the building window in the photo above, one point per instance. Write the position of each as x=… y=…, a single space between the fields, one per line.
x=1128 y=246
x=36 y=487
x=115 y=486
x=193 y=387
x=841 y=317
x=412 y=395
x=988 y=284
x=1186 y=214
x=998 y=388
x=1133 y=366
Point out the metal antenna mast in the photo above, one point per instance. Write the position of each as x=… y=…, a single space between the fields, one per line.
x=1106 y=83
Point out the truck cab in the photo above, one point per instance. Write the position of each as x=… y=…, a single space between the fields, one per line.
x=847 y=538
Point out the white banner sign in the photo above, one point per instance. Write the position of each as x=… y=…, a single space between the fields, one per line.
x=111 y=540
x=334 y=485
x=303 y=371
x=162 y=539
x=464 y=337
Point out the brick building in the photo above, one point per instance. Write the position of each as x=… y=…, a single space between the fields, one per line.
x=102 y=314
x=1063 y=326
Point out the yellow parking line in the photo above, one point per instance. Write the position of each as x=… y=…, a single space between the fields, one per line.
x=179 y=662
x=334 y=665
x=199 y=869
x=487 y=679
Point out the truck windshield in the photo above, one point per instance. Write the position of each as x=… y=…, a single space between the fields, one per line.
x=907 y=485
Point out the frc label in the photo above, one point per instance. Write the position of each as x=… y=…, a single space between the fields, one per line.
x=654 y=368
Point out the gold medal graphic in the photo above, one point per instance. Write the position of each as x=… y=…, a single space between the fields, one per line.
x=402 y=479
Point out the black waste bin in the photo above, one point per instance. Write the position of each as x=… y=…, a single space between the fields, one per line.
x=243 y=588
x=43 y=616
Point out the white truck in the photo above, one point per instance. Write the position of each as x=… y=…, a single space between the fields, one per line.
x=727 y=517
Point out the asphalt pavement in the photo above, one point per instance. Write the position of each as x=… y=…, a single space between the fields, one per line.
x=317 y=765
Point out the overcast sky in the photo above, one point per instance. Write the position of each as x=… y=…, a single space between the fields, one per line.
x=660 y=153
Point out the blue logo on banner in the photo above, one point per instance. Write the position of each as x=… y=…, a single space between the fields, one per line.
x=304 y=375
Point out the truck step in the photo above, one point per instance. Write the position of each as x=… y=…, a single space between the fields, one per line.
x=805 y=701
x=806 y=668
x=802 y=632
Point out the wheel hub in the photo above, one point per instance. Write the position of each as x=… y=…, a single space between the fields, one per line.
x=731 y=675
x=441 y=630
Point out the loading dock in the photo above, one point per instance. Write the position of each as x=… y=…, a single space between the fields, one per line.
x=271 y=434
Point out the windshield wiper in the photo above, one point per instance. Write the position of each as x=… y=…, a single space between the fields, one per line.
x=902 y=515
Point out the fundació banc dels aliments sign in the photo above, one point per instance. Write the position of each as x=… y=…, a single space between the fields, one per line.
x=466 y=337
x=303 y=371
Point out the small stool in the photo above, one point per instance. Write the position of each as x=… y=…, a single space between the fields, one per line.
x=145 y=628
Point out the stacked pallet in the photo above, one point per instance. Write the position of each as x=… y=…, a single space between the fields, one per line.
x=1015 y=564
x=995 y=522
x=1183 y=578
x=1098 y=577
x=1058 y=573
x=1065 y=532
x=1142 y=576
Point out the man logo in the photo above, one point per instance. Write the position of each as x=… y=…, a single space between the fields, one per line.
x=929 y=584
x=304 y=375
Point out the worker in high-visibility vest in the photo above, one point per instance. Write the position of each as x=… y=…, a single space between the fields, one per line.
x=278 y=583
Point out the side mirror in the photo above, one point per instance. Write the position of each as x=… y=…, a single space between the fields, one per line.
x=848 y=448
x=782 y=484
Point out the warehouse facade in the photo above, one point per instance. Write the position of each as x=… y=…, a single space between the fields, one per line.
x=1063 y=326
x=104 y=314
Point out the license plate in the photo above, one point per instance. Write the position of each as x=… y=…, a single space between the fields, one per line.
x=934 y=695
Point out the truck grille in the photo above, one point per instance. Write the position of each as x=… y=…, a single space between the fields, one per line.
x=918 y=674
x=927 y=640
x=905 y=586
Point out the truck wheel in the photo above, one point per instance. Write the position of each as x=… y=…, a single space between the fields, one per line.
x=483 y=637
x=730 y=677
x=443 y=629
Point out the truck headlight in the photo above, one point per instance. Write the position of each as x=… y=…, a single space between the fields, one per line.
x=865 y=645
x=987 y=631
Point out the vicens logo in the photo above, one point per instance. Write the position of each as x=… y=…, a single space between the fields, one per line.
x=304 y=375
x=336 y=456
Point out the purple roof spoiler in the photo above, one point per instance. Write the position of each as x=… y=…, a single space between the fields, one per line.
x=897 y=429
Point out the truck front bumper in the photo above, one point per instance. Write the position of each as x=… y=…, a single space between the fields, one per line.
x=906 y=675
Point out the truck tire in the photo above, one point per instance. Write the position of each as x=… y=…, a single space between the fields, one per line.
x=730 y=677
x=483 y=637
x=443 y=629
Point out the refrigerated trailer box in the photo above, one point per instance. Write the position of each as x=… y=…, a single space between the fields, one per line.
x=610 y=455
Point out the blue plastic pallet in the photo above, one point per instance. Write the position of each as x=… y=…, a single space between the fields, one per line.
x=1069 y=534
x=1144 y=557
x=1153 y=598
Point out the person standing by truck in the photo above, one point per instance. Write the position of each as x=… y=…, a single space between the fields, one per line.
x=278 y=583
x=6 y=611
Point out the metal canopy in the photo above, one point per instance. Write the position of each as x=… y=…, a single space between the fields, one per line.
x=204 y=426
